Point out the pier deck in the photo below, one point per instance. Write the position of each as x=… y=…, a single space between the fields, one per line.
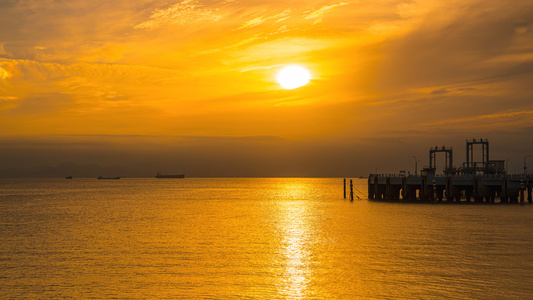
x=499 y=188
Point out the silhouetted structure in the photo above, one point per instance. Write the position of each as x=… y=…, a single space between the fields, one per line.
x=159 y=175
x=483 y=181
x=100 y=177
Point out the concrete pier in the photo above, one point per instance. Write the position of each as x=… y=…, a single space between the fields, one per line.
x=487 y=188
x=485 y=181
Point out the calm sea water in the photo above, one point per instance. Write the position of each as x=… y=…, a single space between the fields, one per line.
x=252 y=239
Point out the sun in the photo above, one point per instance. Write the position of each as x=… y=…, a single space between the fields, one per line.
x=293 y=76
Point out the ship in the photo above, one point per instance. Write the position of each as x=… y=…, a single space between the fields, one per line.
x=159 y=175
x=100 y=177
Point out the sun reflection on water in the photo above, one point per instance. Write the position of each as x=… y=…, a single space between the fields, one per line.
x=295 y=221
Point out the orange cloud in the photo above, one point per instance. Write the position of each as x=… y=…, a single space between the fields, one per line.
x=261 y=19
x=317 y=15
x=181 y=13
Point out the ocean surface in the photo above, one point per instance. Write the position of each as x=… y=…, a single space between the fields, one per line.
x=253 y=238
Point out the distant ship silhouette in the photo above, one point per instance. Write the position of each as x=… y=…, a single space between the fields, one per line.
x=159 y=175
x=100 y=177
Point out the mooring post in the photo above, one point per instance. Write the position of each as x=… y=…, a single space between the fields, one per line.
x=344 y=188
x=351 y=190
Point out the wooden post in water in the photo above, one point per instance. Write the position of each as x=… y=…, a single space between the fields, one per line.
x=344 y=188
x=351 y=190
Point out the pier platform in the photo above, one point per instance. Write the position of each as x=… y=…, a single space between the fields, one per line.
x=488 y=188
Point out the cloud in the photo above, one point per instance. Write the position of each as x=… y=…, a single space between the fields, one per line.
x=39 y=104
x=252 y=23
x=516 y=119
x=317 y=15
x=440 y=91
x=3 y=73
x=521 y=26
x=261 y=19
x=455 y=42
x=184 y=12
x=51 y=30
x=2 y=49
x=93 y=88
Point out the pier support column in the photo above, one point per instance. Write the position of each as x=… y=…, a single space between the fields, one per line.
x=458 y=197
x=475 y=191
x=388 y=192
x=371 y=189
x=504 y=195
x=449 y=196
x=521 y=191
x=434 y=191
x=492 y=194
x=376 y=190
x=529 y=199
x=404 y=193
x=468 y=195
x=423 y=194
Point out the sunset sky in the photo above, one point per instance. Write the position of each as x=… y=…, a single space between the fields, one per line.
x=189 y=86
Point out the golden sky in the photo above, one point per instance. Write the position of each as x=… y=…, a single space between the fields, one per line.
x=413 y=72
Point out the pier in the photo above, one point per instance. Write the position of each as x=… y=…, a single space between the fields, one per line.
x=438 y=188
x=479 y=182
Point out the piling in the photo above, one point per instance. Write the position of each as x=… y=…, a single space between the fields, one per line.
x=521 y=191
x=504 y=197
x=351 y=190
x=434 y=191
x=529 y=191
x=344 y=188
x=448 y=189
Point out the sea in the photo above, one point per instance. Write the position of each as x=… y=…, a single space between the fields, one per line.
x=253 y=238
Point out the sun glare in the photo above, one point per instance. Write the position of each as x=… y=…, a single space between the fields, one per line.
x=293 y=76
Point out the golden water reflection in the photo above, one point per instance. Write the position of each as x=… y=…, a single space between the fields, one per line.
x=296 y=224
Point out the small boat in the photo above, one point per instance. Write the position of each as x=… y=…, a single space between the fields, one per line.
x=100 y=177
x=68 y=177
x=159 y=175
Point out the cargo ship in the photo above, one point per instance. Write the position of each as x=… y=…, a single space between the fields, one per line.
x=159 y=175
x=100 y=177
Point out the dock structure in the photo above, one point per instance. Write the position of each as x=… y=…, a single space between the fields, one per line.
x=486 y=181
x=477 y=188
